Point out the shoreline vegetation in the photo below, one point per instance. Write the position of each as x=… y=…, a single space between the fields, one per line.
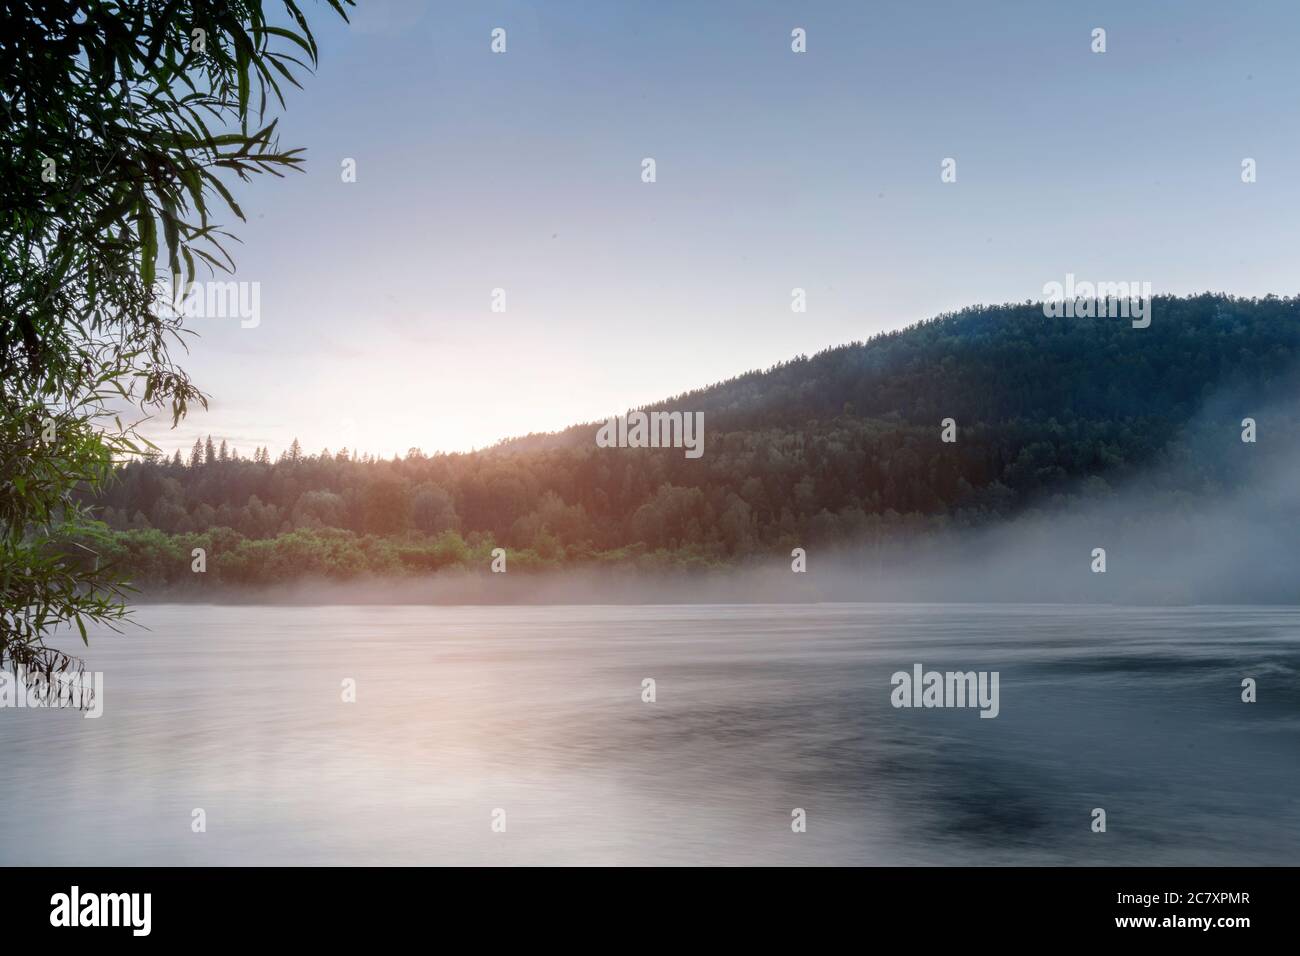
x=898 y=448
x=1159 y=545
x=124 y=127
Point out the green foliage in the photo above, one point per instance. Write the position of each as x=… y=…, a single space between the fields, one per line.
x=840 y=448
x=117 y=128
x=152 y=558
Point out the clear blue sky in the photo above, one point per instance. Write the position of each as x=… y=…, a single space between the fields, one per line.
x=776 y=170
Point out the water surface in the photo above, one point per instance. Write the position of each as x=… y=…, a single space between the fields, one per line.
x=537 y=711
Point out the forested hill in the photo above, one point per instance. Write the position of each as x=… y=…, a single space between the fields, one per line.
x=994 y=364
x=839 y=447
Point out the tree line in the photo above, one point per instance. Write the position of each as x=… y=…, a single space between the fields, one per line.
x=841 y=447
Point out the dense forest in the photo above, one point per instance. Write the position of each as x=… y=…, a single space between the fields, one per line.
x=840 y=447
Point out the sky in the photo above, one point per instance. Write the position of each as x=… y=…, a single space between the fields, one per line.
x=775 y=170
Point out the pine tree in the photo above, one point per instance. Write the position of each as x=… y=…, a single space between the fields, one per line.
x=196 y=454
x=177 y=460
x=295 y=451
x=224 y=453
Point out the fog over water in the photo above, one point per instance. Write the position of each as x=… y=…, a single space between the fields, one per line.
x=1174 y=534
x=759 y=710
x=1120 y=691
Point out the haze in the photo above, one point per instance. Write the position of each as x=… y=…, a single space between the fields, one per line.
x=521 y=171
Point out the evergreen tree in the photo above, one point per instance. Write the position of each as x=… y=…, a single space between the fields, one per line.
x=1041 y=406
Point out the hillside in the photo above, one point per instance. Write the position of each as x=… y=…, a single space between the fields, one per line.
x=840 y=447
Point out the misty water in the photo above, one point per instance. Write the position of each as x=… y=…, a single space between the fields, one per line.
x=759 y=709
